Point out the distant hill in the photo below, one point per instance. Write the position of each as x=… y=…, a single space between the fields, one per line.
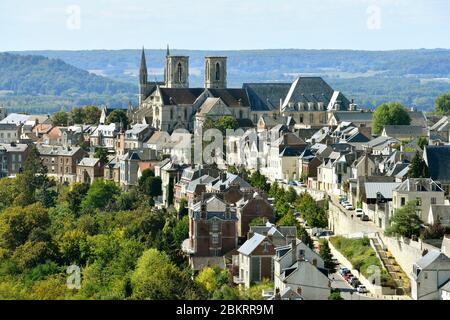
x=31 y=80
x=412 y=77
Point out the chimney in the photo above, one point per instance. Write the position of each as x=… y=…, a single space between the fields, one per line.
x=294 y=250
x=204 y=212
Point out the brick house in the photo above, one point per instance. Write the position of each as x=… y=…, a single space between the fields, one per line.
x=89 y=169
x=61 y=162
x=12 y=158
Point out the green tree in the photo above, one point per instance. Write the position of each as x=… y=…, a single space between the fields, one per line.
x=21 y=224
x=149 y=184
x=8 y=192
x=389 y=114
x=76 y=195
x=60 y=118
x=442 y=105
x=77 y=115
x=156 y=278
x=418 y=168
x=327 y=257
x=91 y=115
x=33 y=176
x=223 y=124
x=102 y=154
x=101 y=194
x=118 y=116
x=422 y=142
x=406 y=222
x=260 y=221
x=257 y=180
x=212 y=278
x=184 y=210
x=336 y=295
x=288 y=219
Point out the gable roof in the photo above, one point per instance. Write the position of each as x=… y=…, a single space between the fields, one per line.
x=413 y=131
x=438 y=161
x=266 y=96
x=231 y=97
x=385 y=188
x=250 y=245
x=428 y=259
x=353 y=116
x=174 y=96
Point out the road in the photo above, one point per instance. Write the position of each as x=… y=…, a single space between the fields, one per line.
x=347 y=291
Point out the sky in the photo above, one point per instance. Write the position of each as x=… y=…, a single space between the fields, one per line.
x=224 y=24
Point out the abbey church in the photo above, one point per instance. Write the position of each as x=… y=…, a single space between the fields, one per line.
x=308 y=102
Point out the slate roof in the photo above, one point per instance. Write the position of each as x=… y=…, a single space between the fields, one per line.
x=314 y=89
x=250 y=245
x=180 y=95
x=290 y=152
x=18 y=147
x=428 y=259
x=231 y=97
x=385 y=188
x=351 y=116
x=88 y=162
x=412 y=184
x=266 y=96
x=438 y=161
x=413 y=131
x=57 y=150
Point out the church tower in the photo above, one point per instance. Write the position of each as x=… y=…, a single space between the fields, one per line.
x=215 y=72
x=143 y=78
x=176 y=71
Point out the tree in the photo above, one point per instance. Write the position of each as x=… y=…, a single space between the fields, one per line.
x=389 y=114
x=260 y=221
x=406 y=222
x=34 y=176
x=156 y=278
x=442 y=105
x=418 y=168
x=422 y=142
x=118 y=116
x=325 y=253
x=21 y=224
x=435 y=231
x=102 y=154
x=184 y=210
x=223 y=124
x=288 y=219
x=303 y=235
x=76 y=195
x=149 y=184
x=212 y=278
x=259 y=181
x=91 y=114
x=8 y=192
x=336 y=295
x=60 y=118
x=77 y=115
x=101 y=193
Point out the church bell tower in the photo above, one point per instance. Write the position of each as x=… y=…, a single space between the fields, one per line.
x=215 y=72
x=176 y=71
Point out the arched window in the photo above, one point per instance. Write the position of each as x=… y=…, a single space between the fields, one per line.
x=180 y=73
x=185 y=114
x=241 y=114
x=207 y=70
x=217 y=71
x=171 y=114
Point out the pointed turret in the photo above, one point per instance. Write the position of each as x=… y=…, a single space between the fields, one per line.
x=143 y=70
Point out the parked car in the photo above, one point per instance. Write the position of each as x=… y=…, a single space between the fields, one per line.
x=292 y=183
x=354 y=282
x=359 y=212
x=348 y=275
x=365 y=217
x=349 y=207
x=343 y=270
x=361 y=289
